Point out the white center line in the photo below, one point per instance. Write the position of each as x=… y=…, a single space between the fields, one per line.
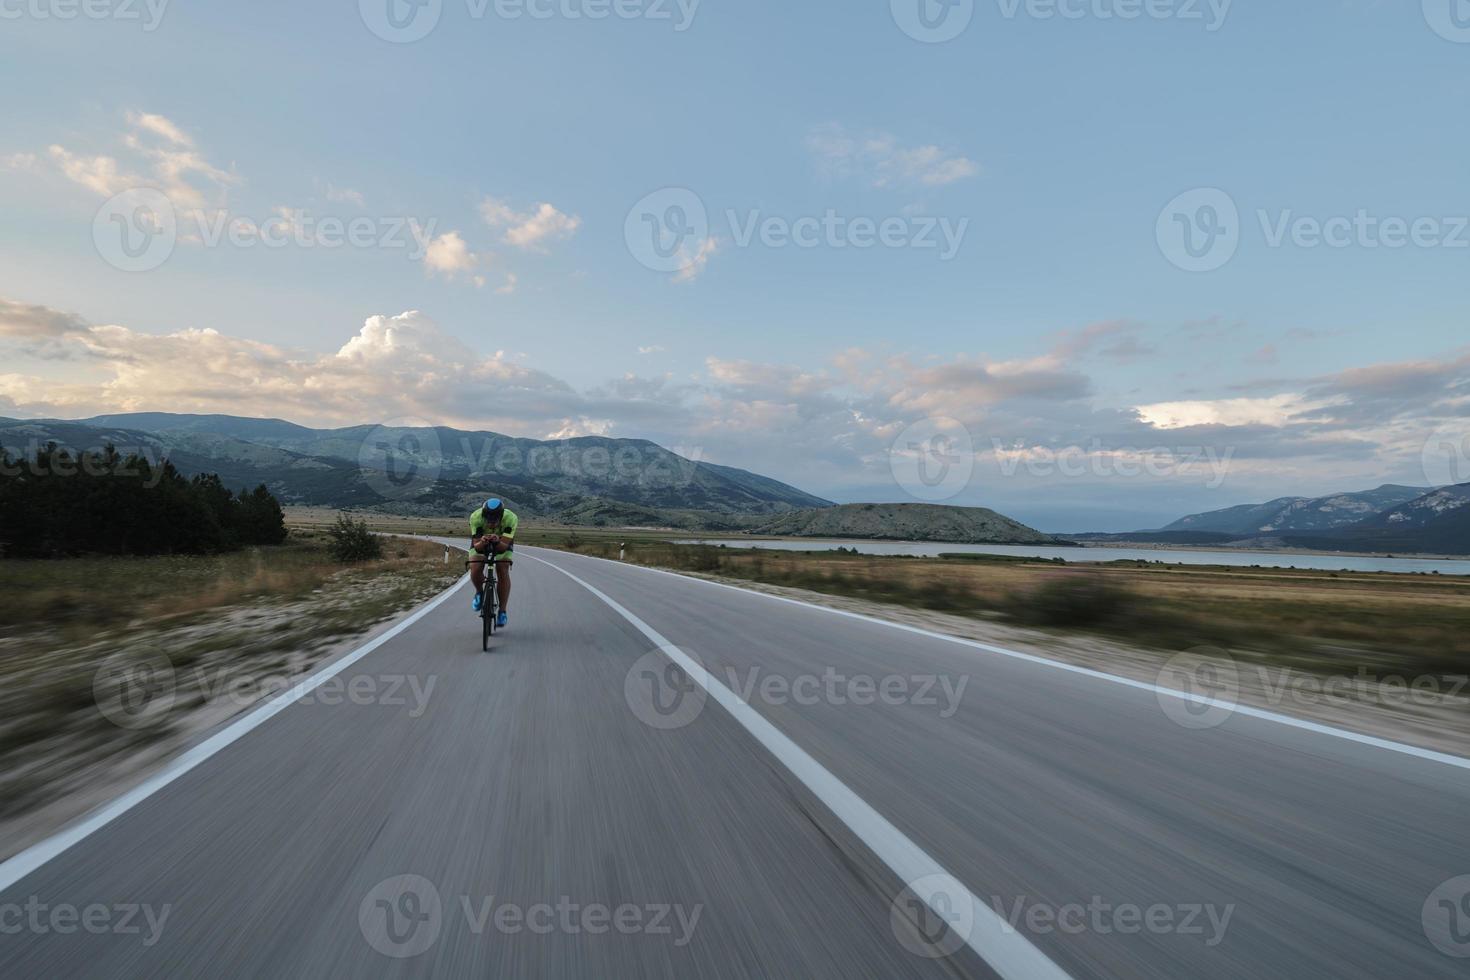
x=1007 y=952
x=1443 y=758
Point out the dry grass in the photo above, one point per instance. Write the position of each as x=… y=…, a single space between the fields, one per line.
x=266 y=613
x=1319 y=620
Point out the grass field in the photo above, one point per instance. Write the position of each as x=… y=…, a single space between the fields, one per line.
x=1325 y=621
x=217 y=624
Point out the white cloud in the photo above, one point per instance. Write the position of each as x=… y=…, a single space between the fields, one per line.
x=164 y=156
x=531 y=230
x=825 y=428
x=652 y=349
x=449 y=255
x=879 y=159
x=345 y=195
x=393 y=366
x=99 y=174
x=509 y=286
x=159 y=126
x=1277 y=411
x=694 y=262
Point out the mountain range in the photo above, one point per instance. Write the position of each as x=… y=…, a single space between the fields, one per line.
x=1300 y=513
x=601 y=481
x=1391 y=518
x=421 y=470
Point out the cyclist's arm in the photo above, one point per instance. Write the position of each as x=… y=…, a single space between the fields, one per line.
x=508 y=532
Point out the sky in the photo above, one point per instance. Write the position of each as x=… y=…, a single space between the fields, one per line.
x=1094 y=263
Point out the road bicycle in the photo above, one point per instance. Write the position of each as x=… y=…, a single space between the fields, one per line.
x=489 y=604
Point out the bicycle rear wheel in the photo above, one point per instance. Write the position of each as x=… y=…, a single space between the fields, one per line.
x=489 y=602
x=487 y=622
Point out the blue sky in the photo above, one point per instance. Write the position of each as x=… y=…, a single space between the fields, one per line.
x=1059 y=324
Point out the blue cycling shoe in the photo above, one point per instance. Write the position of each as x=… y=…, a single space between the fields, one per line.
x=479 y=601
x=501 y=620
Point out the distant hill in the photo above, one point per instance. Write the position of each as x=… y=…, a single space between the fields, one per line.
x=1288 y=514
x=1436 y=523
x=1422 y=512
x=905 y=522
x=425 y=470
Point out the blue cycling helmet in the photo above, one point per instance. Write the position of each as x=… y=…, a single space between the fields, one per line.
x=494 y=506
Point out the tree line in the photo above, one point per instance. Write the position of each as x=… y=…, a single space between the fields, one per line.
x=56 y=503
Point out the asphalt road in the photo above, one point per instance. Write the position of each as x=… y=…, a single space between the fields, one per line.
x=571 y=805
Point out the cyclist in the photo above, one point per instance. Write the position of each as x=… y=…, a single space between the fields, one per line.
x=492 y=537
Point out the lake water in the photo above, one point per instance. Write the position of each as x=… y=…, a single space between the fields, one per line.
x=930 y=549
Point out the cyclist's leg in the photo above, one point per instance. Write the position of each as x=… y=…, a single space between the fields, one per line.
x=502 y=582
x=477 y=569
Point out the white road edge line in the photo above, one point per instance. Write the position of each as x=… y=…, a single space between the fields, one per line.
x=1443 y=758
x=1006 y=951
x=33 y=857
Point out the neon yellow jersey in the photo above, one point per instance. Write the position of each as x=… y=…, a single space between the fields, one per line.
x=480 y=525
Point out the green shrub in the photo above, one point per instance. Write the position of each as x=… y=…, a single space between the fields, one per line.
x=353 y=542
x=1074 y=601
